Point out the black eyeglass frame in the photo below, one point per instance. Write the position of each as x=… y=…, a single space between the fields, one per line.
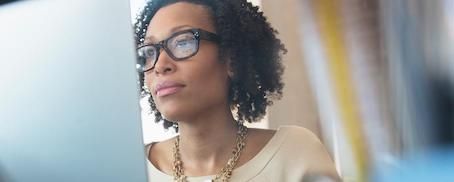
x=198 y=35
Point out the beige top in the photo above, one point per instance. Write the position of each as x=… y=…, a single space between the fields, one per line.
x=293 y=153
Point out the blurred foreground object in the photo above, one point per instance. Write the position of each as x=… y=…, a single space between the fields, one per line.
x=69 y=95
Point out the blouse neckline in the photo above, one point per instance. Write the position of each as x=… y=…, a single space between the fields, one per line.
x=247 y=170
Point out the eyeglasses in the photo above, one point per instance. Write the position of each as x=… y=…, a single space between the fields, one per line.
x=179 y=46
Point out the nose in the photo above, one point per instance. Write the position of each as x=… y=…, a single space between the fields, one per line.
x=164 y=64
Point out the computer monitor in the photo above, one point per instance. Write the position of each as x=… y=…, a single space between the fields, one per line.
x=69 y=95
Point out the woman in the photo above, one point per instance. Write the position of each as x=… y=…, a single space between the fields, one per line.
x=201 y=61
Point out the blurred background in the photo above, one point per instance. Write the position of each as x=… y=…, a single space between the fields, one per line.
x=374 y=79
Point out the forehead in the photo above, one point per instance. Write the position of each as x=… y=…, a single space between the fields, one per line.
x=178 y=16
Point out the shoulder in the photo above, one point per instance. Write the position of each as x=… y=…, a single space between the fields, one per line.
x=292 y=130
x=302 y=140
x=299 y=136
x=305 y=151
x=160 y=154
x=158 y=147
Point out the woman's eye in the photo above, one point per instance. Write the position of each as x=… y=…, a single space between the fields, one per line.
x=149 y=53
x=183 y=43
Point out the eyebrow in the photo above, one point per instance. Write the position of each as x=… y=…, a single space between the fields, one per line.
x=151 y=39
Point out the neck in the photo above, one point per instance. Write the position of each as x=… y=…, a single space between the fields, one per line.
x=206 y=142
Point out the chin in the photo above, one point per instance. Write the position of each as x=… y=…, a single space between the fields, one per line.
x=172 y=113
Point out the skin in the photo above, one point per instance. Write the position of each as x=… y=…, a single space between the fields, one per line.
x=201 y=107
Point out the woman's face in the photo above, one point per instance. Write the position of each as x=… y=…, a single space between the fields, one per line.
x=185 y=89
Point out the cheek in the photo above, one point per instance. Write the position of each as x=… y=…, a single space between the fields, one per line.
x=148 y=79
x=211 y=83
x=213 y=77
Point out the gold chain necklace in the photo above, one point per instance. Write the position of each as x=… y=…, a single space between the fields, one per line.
x=226 y=171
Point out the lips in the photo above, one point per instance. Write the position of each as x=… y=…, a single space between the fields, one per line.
x=167 y=88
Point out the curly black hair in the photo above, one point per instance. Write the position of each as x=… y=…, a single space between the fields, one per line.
x=248 y=41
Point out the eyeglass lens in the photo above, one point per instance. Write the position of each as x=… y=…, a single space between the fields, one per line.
x=178 y=47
